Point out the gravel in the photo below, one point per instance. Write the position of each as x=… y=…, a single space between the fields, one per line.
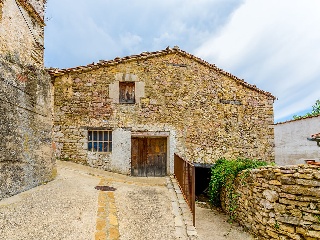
x=145 y=213
x=62 y=209
x=66 y=208
x=212 y=225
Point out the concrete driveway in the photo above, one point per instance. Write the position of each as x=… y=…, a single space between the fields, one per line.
x=71 y=208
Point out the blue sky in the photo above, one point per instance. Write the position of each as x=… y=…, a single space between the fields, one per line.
x=270 y=43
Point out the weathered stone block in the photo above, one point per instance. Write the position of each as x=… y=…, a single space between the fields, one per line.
x=301 y=230
x=311 y=217
x=274 y=182
x=288 y=219
x=266 y=204
x=302 y=175
x=287 y=228
x=272 y=233
x=304 y=182
x=313 y=234
x=287 y=180
x=271 y=196
x=293 y=203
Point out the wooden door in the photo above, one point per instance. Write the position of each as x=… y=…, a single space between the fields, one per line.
x=149 y=157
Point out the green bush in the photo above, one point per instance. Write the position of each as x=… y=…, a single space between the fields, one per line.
x=223 y=174
x=315 y=111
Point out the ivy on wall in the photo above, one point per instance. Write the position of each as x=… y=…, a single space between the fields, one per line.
x=223 y=174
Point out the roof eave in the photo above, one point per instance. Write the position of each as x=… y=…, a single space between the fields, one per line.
x=145 y=55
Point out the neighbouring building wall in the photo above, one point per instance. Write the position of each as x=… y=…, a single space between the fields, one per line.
x=26 y=104
x=22 y=30
x=207 y=114
x=291 y=144
x=279 y=202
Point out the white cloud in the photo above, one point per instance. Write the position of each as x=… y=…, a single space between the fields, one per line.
x=130 y=42
x=273 y=44
x=79 y=30
x=270 y=43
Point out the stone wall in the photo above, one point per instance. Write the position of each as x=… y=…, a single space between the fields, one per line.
x=39 y=6
x=279 y=202
x=209 y=113
x=26 y=105
x=22 y=30
x=26 y=101
x=291 y=144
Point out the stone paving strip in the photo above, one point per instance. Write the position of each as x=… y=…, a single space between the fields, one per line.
x=113 y=219
x=183 y=216
x=101 y=223
x=70 y=208
x=107 y=226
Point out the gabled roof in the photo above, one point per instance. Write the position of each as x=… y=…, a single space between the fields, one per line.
x=144 y=55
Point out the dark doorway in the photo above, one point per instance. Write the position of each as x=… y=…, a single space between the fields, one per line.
x=149 y=156
x=203 y=176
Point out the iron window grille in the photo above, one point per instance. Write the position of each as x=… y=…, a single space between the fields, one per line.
x=100 y=140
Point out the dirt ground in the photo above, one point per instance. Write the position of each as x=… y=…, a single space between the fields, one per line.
x=62 y=209
x=150 y=213
x=212 y=224
x=69 y=208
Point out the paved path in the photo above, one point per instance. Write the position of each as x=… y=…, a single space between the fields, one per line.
x=71 y=208
x=213 y=225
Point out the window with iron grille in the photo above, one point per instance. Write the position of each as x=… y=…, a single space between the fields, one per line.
x=100 y=140
x=126 y=92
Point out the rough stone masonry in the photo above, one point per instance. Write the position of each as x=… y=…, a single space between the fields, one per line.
x=205 y=112
x=278 y=202
x=26 y=99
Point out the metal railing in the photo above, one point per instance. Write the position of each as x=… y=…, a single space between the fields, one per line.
x=184 y=172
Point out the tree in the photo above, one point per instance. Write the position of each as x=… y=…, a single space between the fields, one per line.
x=315 y=111
x=316 y=108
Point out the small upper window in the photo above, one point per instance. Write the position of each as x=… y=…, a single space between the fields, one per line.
x=126 y=92
x=100 y=141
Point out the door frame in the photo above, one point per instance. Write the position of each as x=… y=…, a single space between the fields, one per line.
x=160 y=134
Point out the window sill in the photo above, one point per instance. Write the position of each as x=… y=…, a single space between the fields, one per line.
x=104 y=153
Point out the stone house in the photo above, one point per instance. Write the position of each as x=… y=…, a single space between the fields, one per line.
x=291 y=141
x=131 y=114
x=26 y=99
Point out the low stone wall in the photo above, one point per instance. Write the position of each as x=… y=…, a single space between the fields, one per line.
x=279 y=202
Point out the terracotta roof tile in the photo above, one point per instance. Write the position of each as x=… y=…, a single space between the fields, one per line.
x=293 y=120
x=316 y=135
x=59 y=72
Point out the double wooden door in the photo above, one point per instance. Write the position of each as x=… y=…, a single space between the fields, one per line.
x=149 y=157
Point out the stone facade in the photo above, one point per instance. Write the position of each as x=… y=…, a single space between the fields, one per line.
x=291 y=144
x=279 y=202
x=22 y=30
x=205 y=112
x=26 y=99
